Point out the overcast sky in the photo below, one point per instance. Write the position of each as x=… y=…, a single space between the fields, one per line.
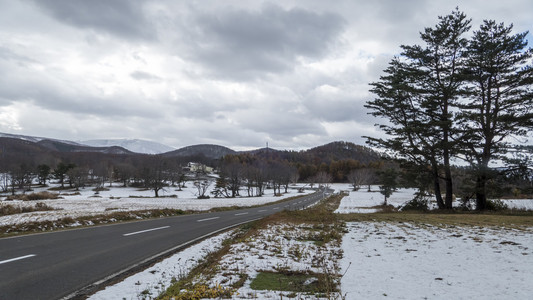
x=294 y=74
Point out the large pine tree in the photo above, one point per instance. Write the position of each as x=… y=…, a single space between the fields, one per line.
x=499 y=106
x=417 y=95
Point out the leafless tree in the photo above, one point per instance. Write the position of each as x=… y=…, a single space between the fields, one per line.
x=232 y=171
x=154 y=173
x=359 y=177
x=78 y=176
x=323 y=179
x=202 y=186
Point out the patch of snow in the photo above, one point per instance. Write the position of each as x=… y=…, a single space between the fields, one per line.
x=362 y=201
x=410 y=261
x=280 y=247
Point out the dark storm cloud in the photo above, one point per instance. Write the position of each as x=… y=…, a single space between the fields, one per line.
x=242 y=44
x=122 y=18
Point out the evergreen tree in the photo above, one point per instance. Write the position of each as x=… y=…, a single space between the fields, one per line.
x=61 y=170
x=43 y=172
x=417 y=96
x=389 y=183
x=499 y=104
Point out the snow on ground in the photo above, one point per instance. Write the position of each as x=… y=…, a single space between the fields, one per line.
x=407 y=261
x=280 y=247
x=362 y=201
x=88 y=203
x=151 y=282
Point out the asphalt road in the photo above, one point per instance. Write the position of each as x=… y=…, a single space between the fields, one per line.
x=64 y=264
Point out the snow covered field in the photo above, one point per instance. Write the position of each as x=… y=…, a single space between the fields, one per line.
x=89 y=203
x=362 y=201
x=407 y=261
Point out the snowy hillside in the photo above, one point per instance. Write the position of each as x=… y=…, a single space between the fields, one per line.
x=34 y=139
x=135 y=145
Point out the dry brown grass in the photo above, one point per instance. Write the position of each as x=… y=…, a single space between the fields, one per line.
x=34 y=196
x=8 y=209
x=492 y=219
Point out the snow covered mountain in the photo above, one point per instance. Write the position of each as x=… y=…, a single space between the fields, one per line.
x=35 y=139
x=134 y=145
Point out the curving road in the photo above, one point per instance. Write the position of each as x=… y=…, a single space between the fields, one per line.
x=68 y=264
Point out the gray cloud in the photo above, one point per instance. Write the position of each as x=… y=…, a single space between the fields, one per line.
x=52 y=90
x=140 y=75
x=241 y=44
x=121 y=18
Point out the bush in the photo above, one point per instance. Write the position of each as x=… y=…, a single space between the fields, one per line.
x=418 y=203
x=496 y=205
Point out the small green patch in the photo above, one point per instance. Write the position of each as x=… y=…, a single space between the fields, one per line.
x=291 y=282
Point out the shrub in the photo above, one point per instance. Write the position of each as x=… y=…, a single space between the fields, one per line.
x=419 y=203
x=9 y=209
x=496 y=205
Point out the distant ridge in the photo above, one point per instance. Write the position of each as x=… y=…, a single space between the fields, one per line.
x=328 y=153
x=65 y=147
x=35 y=139
x=134 y=145
x=207 y=150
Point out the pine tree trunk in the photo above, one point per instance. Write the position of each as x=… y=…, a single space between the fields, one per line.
x=448 y=184
x=436 y=187
x=449 y=188
x=481 y=192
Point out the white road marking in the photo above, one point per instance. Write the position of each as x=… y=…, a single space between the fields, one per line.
x=276 y=208
x=16 y=258
x=240 y=214
x=262 y=210
x=207 y=219
x=147 y=230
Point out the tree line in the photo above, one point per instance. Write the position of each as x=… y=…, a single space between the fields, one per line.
x=460 y=96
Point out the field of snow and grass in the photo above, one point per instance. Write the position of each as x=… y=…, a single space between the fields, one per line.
x=87 y=202
x=362 y=201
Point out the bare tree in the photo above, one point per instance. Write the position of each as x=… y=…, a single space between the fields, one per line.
x=202 y=186
x=232 y=171
x=323 y=179
x=78 y=176
x=154 y=173
x=359 y=177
